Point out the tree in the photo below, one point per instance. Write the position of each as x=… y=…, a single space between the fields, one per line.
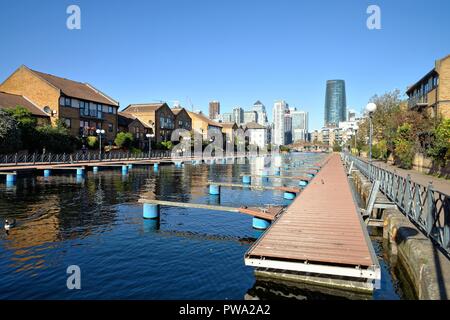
x=440 y=147
x=26 y=124
x=404 y=146
x=337 y=147
x=124 y=140
x=9 y=133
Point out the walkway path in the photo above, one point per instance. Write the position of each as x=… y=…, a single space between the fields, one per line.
x=439 y=184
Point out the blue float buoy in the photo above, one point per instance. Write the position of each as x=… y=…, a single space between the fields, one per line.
x=155 y=167
x=10 y=178
x=246 y=179
x=178 y=164
x=214 y=189
x=80 y=171
x=289 y=196
x=303 y=183
x=124 y=169
x=47 y=173
x=95 y=169
x=310 y=175
x=130 y=166
x=150 y=211
x=260 y=224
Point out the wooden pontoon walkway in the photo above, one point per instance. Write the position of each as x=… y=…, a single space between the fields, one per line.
x=321 y=232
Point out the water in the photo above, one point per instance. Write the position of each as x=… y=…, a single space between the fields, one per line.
x=96 y=223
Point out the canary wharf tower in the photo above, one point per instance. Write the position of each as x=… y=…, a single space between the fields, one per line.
x=335 y=103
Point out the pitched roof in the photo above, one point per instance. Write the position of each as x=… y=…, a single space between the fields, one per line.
x=76 y=89
x=144 y=107
x=125 y=119
x=203 y=118
x=8 y=100
x=253 y=125
x=257 y=102
x=228 y=124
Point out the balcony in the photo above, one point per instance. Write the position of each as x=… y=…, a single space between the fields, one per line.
x=418 y=102
x=89 y=113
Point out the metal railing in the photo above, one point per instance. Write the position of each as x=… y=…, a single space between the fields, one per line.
x=427 y=208
x=21 y=159
x=51 y=158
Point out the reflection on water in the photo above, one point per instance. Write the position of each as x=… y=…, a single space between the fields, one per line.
x=96 y=222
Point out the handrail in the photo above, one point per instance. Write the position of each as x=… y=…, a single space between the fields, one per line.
x=51 y=158
x=427 y=208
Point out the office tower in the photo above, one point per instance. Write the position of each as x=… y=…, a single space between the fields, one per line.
x=335 y=103
x=299 y=125
x=250 y=116
x=261 y=111
x=238 y=115
x=288 y=127
x=279 y=111
x=227 y=117
x=214 y=109
x=351 y=115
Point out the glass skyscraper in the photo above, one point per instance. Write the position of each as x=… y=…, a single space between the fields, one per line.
x=335 y=103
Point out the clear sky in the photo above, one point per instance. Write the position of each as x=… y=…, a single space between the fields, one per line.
x=234 y=51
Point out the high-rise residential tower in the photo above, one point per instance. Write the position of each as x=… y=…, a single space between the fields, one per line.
x=335 y=103
x=214 y=109
x=280 y=109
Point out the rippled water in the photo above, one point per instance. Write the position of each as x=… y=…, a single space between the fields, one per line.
x=96 y=223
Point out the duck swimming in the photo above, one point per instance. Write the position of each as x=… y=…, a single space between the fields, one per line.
x=10 y=223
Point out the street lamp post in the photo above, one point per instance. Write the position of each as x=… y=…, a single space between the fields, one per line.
x=100 y=133
x=149 y=136
x=370 y=109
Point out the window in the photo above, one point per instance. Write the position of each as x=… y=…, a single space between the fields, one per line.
x=110 y=127
x=105 y=109
x=99 y=111
x=62 y=101
x=67 y=122
x=110 y=110
x=67 y=102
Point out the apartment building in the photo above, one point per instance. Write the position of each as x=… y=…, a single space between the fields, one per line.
x=432 y=92
x=154 y=118
x=80 y=106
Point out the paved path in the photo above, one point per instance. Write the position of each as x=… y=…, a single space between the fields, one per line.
x=439 y=184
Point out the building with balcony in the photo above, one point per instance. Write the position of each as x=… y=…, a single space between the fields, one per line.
x=432 y=91
x=156 y=118
x=80 y=106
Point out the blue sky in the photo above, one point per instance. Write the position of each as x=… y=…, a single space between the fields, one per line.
x=233 y=51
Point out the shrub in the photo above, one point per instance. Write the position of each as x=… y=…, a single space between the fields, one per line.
x=57 y=139
x=440 y=148
x=92 y=142
x=124 y=140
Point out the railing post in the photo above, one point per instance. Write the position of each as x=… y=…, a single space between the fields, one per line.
x=16 y=159
x=431 y=209
x=407 y=198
